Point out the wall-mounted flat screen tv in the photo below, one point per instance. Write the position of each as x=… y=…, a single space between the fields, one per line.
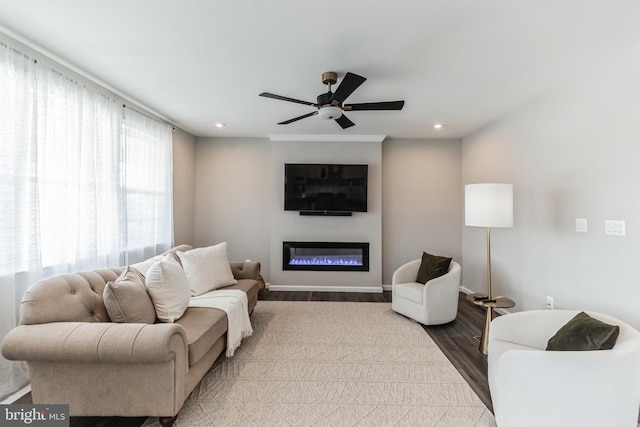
x=325 y=187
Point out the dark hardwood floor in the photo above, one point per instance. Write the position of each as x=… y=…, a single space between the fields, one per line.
x=460 y=342
x=457 y=340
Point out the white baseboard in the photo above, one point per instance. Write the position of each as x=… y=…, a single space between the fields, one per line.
x=370 y=289
x=17 y=395
x=465 y=290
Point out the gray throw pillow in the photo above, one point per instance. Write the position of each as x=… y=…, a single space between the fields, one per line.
x=127 y=299
x=432 y=266
x=583 y=333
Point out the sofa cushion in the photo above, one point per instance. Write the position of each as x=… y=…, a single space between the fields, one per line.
x=207 y=268
x=584 y=333
x=251 y=287
x=167 y=285
x=203 y=326
x=432 y=266
x=126 y=299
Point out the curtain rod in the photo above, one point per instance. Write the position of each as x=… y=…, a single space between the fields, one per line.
x=8 y=38
x=173 y=128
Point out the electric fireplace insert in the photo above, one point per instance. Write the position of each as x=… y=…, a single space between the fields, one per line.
x=325 y=256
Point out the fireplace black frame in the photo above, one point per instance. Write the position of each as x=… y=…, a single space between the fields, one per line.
x=286 y=256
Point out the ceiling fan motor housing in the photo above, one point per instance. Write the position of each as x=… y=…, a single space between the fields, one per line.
x=324 y=98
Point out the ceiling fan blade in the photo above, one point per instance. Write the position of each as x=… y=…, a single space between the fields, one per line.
x=367 y=106
x=284 y=98
x=295 y=119
x=349 y=83
x=344 y=122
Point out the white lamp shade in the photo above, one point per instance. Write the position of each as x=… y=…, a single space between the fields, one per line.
x=488 y=205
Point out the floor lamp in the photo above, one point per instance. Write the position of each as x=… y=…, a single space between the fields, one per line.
x=489 y=206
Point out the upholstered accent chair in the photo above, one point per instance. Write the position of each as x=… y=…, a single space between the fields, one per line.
x=534 y=387
x=432 y=303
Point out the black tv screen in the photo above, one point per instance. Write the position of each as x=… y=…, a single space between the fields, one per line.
x=325 y=187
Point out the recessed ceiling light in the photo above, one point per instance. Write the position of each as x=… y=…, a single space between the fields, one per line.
x=220 y=125
x=438 y=126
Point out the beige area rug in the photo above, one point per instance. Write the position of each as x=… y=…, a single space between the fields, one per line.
x=333 y=364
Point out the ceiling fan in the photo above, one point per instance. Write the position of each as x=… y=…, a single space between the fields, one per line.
x=330 y=105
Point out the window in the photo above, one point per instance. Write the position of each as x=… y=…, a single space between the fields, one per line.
x=84 y=183
x=148 y=188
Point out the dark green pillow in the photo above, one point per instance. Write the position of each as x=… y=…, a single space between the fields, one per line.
x=432 y=266
x=582 y=333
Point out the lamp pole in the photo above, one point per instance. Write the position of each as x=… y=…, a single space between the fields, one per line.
x=490 y=295
x=489 y=205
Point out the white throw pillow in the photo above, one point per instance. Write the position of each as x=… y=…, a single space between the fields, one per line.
x=168 y=288
x=207 y=268
x=144 y=266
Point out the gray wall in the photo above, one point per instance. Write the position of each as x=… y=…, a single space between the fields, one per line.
x=184 y=146
x=417 y=197
x=421 y=201
x=232 y=196
x=571 y=154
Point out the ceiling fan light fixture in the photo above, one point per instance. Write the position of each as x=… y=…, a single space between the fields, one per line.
x=329 y=105
x=330 y=112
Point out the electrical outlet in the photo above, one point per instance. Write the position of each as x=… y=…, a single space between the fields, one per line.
x=549 y=304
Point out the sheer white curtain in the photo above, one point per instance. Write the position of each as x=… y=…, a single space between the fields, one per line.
x=149 y=188
x=19 y=249
x=84 y=183
x=80 y=206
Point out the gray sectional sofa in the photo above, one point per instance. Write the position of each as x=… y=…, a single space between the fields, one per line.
x=77 y=355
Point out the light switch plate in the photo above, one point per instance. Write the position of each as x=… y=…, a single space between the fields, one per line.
x=614 y=227
x=581 y=225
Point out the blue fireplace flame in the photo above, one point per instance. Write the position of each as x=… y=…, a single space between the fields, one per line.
x=326 y=260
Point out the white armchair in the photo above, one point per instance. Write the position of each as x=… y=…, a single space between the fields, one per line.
x=533 y=387
x=432 y=303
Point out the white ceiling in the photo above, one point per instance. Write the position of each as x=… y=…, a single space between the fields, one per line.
x=460 y=62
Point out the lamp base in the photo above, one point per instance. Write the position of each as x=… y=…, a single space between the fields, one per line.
x=484 y=338
x=489 y=306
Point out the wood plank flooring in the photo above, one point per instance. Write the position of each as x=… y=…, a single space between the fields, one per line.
x=455 y=339
x=460 y=342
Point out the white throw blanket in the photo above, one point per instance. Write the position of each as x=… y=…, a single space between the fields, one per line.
x=234 y=303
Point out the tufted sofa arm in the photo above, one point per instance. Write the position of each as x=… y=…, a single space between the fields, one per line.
x=74 y=297
x=117 y=343
x=245 y=269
